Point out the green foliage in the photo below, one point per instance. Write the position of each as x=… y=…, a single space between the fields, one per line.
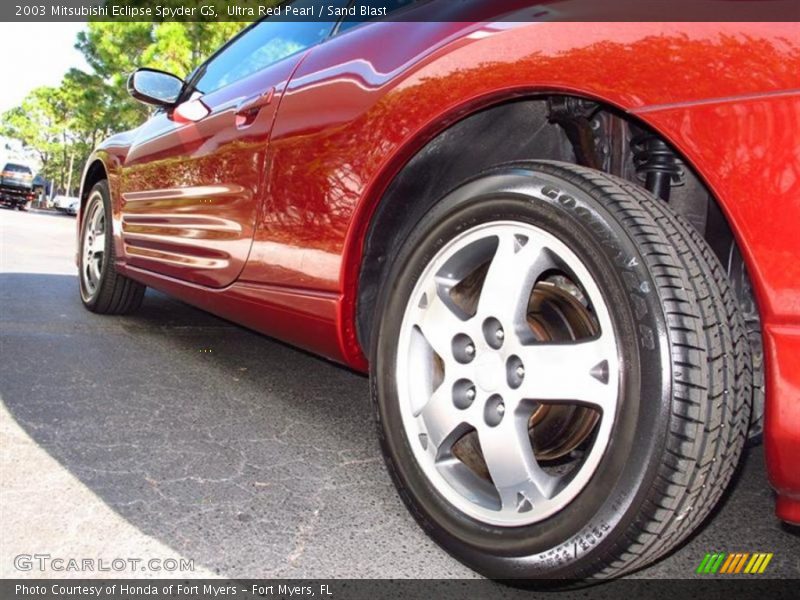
x=40 y=122
x=63 y=124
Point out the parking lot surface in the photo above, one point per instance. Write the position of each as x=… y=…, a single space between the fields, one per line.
x=172 y=433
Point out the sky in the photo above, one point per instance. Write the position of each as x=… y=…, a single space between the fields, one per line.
x=35 y=54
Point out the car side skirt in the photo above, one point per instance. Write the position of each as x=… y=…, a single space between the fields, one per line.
x=307 y=319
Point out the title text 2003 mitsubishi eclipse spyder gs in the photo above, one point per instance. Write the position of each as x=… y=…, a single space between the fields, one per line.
x=566 y=252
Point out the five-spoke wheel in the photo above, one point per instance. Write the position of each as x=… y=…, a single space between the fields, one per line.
x=94 y=245
x=492 y=341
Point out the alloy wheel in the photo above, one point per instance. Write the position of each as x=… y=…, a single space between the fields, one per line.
x=508 y=371
x=94 y=245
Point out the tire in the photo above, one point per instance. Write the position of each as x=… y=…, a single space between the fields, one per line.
x=668 y=402
x=743 y=291
x=103 y=290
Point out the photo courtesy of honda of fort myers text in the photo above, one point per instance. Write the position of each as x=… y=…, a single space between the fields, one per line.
x=399 y=298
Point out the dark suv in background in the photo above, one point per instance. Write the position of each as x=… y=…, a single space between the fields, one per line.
x=16 y=186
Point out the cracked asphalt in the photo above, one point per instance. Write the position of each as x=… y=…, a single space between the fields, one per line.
x=172 y=433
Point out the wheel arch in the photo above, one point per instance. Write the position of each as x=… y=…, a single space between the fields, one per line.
x=95 y=171
x=432 y=163
x=375 y=234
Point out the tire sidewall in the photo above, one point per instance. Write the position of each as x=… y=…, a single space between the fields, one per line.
x=568 y=542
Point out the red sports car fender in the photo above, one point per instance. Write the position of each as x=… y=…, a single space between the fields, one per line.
x=428 y=90
x=726 y=95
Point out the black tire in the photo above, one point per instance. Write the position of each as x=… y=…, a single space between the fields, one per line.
x=685 y=399
x=115 y=294
x=743 y=290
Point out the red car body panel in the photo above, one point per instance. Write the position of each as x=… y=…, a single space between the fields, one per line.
x=748 y=151
x=356 y=109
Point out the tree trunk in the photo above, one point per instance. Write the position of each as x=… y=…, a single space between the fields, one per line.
x=69 y=173
x=64 y=163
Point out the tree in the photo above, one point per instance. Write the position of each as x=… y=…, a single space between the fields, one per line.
x=64 y=124
x=38 y=124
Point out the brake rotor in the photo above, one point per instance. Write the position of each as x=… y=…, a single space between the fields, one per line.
x=557 y=314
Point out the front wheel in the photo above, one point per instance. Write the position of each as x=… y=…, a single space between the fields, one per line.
x=103 y=290
x=560 y=374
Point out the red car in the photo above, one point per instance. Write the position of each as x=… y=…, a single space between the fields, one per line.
x=565 y=252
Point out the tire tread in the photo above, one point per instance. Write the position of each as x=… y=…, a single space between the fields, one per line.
x=715 y=378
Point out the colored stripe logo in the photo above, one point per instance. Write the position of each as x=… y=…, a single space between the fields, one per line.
x=749 y=563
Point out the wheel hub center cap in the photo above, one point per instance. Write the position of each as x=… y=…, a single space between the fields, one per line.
x=489 y=372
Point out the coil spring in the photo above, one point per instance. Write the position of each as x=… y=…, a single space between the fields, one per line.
x=657 y=163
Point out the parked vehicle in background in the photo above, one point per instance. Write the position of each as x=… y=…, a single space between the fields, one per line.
x=67 y=204
x=555 y=247
x=16 y=186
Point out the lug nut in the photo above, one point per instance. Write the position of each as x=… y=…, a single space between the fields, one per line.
x=463 y=348
x=515 y=372
x=493 y=333
x=463 y=394
x=493 y=410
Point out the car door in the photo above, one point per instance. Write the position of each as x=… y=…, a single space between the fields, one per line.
x=193 y=179
x=330 y=136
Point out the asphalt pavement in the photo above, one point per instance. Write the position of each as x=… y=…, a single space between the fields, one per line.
x=172 y=433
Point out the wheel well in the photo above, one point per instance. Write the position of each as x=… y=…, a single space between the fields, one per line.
x=96 y=172
x=564 y=128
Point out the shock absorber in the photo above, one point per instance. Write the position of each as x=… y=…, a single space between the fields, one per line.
x=656 y=162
